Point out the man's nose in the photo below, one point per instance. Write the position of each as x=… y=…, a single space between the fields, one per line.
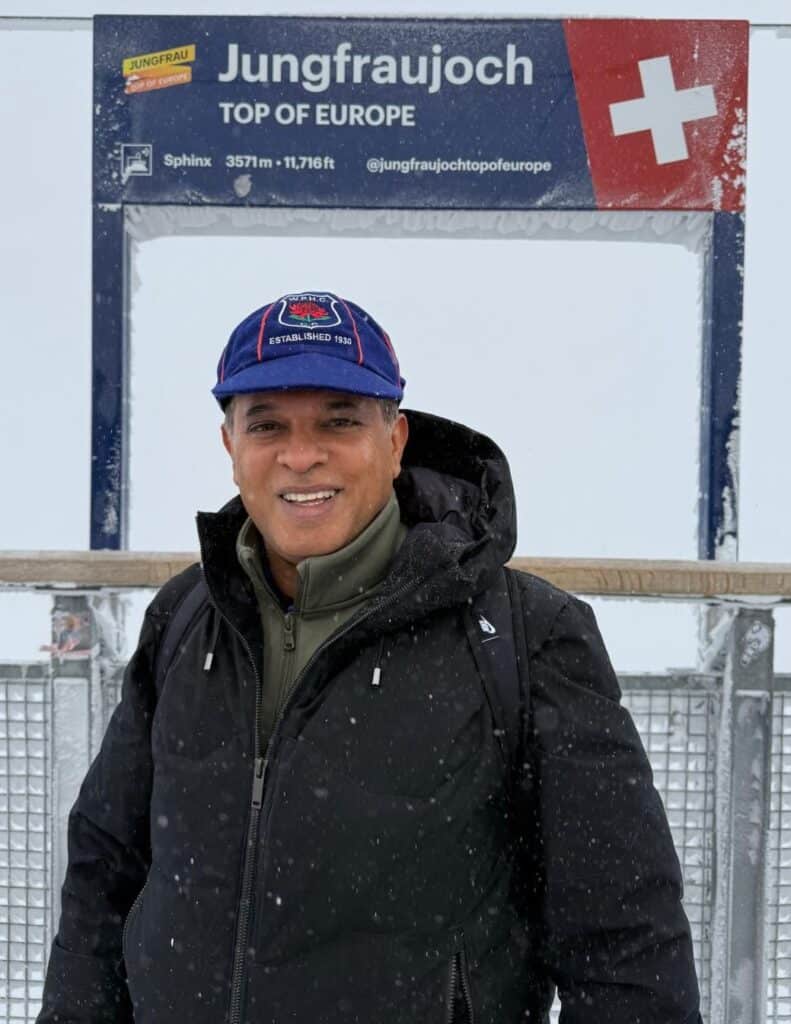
x=301 y=453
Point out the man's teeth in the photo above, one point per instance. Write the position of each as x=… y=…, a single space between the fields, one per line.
x=315 y=496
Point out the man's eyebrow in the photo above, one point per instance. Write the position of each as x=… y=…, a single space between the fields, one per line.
x=343 y=403
x=259 y=407
x=331 y=405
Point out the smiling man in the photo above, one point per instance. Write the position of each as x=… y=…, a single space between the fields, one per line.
x=313 y=468
x=360 y=773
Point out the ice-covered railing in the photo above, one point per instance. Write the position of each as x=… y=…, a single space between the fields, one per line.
x=718 y=736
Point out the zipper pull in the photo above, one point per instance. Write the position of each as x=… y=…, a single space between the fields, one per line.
x=207 y=664
x=258 y=781
x=376 y=678
x=288 y=632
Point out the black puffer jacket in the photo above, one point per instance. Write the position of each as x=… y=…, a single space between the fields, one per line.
x=369 y=867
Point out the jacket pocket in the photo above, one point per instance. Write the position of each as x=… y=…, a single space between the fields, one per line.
x=459 y=1001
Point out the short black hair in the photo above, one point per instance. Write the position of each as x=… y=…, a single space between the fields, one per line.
x=388 y=406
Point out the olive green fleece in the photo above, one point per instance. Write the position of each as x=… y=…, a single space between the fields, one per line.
x=331 y=588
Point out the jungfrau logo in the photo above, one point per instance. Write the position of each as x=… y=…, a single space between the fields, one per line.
x=309 y=310
x=486 y=626
x=160 y=70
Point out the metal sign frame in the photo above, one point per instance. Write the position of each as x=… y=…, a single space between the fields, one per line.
x=400 y=113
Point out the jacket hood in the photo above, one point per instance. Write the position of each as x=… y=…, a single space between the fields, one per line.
x=456 y=498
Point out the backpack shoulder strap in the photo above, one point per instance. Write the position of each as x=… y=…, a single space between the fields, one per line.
x=495 y=629
x=183 y=615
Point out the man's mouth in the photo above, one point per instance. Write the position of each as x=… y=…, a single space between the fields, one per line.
x=309 y=498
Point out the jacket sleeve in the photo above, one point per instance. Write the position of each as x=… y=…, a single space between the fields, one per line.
x=615 y=938
x=109 y=856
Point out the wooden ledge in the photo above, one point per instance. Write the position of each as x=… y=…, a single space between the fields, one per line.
x=616 y=577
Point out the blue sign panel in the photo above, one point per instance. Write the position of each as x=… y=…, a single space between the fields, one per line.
x=421 y=113
x=362 y=112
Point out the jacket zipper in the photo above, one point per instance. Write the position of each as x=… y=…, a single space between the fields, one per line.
x=464 y=982
x=248 y=864
x=453 y=982
x=137 y=901
x=289 y=646
x=261 y=765
x=459 y=984
x=289 y=641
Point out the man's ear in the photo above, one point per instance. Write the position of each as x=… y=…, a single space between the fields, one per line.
x=399 y=438
x=226 y=439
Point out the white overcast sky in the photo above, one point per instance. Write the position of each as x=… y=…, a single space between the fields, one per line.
x=595 y=399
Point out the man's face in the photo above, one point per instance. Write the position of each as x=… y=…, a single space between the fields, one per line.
x=313 y=468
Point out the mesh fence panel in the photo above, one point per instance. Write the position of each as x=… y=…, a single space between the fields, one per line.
x=678 y=727
x=24 y=837
x=677 y=720
x=679 y=730
x=779 y=874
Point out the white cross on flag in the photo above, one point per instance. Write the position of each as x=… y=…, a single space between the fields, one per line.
x=663 y=111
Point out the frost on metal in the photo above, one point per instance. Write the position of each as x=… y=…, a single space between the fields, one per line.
x=115 y=475
x=690 y=229
x=733 y=175
x=756 y=642
x=727 y=539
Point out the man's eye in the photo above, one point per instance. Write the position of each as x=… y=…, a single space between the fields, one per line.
x=265 y=427
x=343 y=421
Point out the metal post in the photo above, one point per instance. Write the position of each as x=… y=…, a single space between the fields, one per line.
x=739 y=968
x=74 y=649
x=720 y=377
x=86 y=667
x=110 y=412
x=718 y=530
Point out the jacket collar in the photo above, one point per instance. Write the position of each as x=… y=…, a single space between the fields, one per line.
x=336 y=580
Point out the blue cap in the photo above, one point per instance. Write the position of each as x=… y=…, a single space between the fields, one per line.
x=309 y=340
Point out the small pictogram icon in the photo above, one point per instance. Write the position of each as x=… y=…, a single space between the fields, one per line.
x=137 y=159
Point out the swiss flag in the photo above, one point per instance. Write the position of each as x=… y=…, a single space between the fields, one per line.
x=664 y=111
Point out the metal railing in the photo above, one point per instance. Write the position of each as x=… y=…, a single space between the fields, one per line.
x=779 y=859
x=719 y=741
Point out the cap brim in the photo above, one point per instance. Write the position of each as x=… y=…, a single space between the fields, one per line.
x=308 y=370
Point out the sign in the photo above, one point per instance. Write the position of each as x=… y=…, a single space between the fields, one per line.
x=442 y=114
x=510 y=114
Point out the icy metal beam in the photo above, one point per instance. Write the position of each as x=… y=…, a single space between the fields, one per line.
x=616 y=577
x=718 y=526
x=739 y=946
